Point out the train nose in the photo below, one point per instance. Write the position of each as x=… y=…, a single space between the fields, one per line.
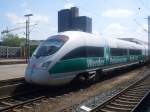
x=37 y=75
x=28 y=73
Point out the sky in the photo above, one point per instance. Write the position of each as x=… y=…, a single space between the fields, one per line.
x=110 y=18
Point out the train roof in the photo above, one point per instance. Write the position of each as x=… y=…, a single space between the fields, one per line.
x=117 y=43
x=112 y=42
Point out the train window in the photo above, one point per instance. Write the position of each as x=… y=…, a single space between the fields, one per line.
x=76 y=53
x=118 y=52
x=95 y=51
x=135 y=52
x=50 y=46
x=83 y=52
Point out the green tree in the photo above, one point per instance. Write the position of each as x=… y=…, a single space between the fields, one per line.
x=12 y=40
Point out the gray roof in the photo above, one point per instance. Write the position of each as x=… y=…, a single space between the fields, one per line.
x=134 y=40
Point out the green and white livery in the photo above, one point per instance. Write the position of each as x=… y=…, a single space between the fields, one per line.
x=74 y=54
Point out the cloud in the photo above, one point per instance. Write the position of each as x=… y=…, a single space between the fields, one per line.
x=68 y=4
x=42 y=30
x=117 y=13
x=115 y=26
x=116 y=30
x=40 y=18
x=14 y=18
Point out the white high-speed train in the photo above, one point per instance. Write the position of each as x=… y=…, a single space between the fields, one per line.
x=74 y=54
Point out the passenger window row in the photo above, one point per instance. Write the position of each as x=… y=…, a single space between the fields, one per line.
x=122 y=52
x=118 y=52
x=135 y=52
x=83 y=52
x=89 y=51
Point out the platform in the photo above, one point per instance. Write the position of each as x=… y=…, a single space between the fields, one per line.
x=12 y=71
x=12 y=61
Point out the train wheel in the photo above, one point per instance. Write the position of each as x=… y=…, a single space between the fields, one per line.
x=81 y=78
x=97 y=76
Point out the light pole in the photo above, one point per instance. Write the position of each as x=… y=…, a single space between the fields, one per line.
x=28 y=37
x=149 y=39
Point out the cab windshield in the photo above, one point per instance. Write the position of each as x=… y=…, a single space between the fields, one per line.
x=50 y=46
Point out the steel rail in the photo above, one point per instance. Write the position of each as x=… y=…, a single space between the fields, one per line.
x=127 y=99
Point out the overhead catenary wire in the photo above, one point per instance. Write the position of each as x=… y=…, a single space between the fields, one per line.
x=145 y=30
x=15 y=29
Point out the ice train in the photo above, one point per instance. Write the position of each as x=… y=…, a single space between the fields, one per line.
x=74 y=54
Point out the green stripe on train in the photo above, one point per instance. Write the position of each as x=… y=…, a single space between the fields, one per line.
x=69 y=65
x=78 y=64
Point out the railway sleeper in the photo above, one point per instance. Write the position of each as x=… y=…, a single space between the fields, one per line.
x=137 y=92
x=122 y=104
x=17 y=109
x=120 y=107
x=2 y=105
x=44 y=100
x=123 y=101
x=131 y=99
x=117 y=108
x=134 y=97
x=140 y=89
x=37 y=103
x=134 y=94
x=143 y=85
x=10 y=102
x=106 y=110
x=28 y=106
x=7 y=103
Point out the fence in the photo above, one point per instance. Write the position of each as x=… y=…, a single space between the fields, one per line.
x=15 y=52
x=10 y=52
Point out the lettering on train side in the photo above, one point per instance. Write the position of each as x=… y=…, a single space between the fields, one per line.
x=94 y=62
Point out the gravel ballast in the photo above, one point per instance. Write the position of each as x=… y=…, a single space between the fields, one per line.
x=90 y=96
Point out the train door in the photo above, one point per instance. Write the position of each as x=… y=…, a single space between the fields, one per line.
x=107 y=53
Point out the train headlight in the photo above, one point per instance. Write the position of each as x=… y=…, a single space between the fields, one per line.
x=46 y=64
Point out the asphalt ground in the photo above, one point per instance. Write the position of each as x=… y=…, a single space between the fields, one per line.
x=12 y=71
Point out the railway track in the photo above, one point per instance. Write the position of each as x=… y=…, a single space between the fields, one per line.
x=144 y=105
x=16 y=92
x=11 y=81
x=127 y=100
x=16 y=104
x=26 y=96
